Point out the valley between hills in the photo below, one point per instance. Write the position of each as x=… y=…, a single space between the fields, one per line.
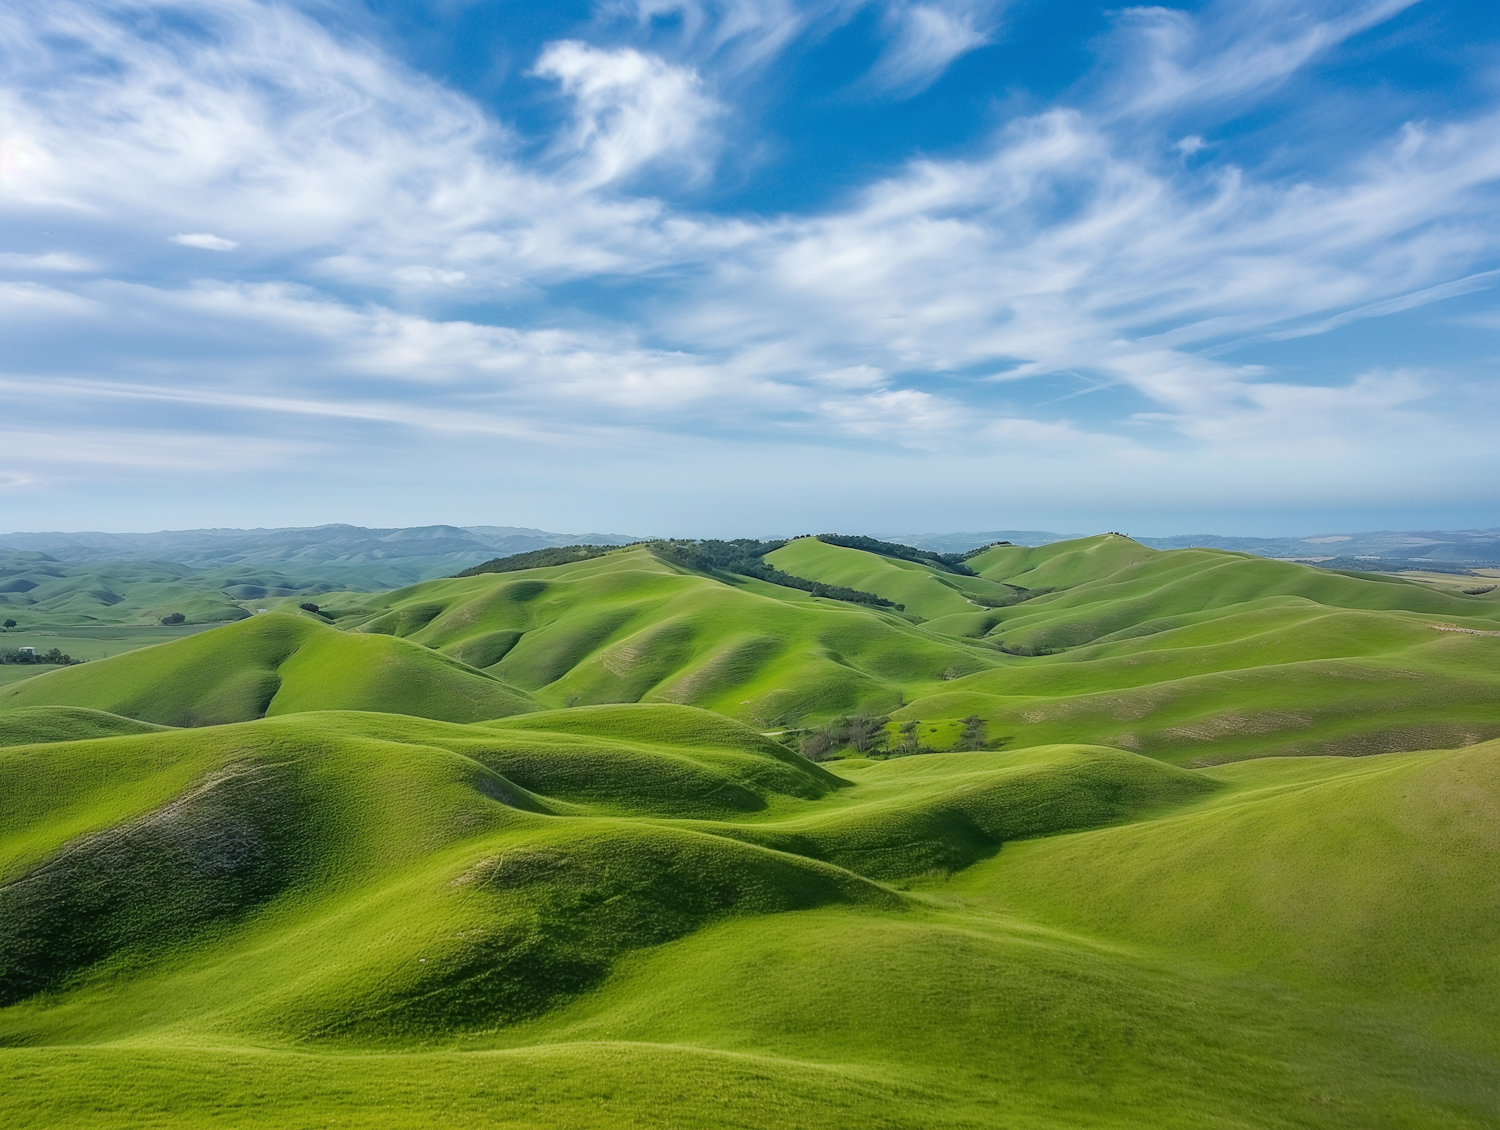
x=749 y=834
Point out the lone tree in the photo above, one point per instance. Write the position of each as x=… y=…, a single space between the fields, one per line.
x=174 y=618
x=910 y=736
x=9 y=624
x=973 y=737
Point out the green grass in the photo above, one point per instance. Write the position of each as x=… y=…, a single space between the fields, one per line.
x=42 y=593
x=307 y=923
x=627 y=627
x=276 y=664
x=1375 y=879
x=514 y=850
x=32 y=724
x=86 y=642
x=1191 y=656
x=925 y=590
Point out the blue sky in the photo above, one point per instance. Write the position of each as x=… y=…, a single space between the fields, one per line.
x=752 y=266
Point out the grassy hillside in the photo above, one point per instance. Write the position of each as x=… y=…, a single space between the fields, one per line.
x=98 y=610
x=1198 y=655
x=627 y=627
x=1330 y=874
x=528 y=849
x=38 y=591
x=1130 y=945
x=929 y=592
x=1192 y=656
x=29 y=725
x=271 y=664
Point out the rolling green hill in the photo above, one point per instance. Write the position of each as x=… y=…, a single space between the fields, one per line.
x=1187 y=655
x=525 y=941
x=40 y=592
x=1197 y=655
x=629 y=627
x=271 y=664
x=534 y=849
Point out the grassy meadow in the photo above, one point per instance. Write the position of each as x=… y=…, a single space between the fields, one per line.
x=537 y=849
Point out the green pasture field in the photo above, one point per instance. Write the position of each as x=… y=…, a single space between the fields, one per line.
x=43 y=594
x=86 y=643
x=524 y=850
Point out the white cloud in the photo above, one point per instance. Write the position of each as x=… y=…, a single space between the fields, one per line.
x=46 y=261
x=737 y=35
x=1236 y=47
x=926 y=37
x=920 y=37
x=205 y=242
x=65 y=450
x=26 y=301
x=409 y=241
x=631 y=110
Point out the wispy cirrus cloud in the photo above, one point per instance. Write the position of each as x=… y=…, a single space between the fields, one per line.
x=927 y=37
x=402 y=258
x=920 y=37
x=1171 y=59
x=630 y=110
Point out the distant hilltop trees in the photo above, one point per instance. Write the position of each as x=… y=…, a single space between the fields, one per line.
x=951 y=562
x=538 y=559
x=742 y=556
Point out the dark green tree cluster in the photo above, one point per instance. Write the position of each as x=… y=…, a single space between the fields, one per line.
x=977 y=550
x=744 y=557
x=862 y=733
x=174 y=618
x=948 y=562
x=13 y=655
x=538 y=559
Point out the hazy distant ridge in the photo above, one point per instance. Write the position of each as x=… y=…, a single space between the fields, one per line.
x=375 y=558
x=386 y=558
x=1452 y=547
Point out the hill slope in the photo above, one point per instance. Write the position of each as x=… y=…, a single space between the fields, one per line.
x=587 y=951
x=271 y=664
x=1192 y=656
x=1197 y=655
x=628 y=627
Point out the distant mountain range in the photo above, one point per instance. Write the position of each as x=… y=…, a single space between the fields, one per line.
x=1439 y=550
x=356 y=557
x=350 y=556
